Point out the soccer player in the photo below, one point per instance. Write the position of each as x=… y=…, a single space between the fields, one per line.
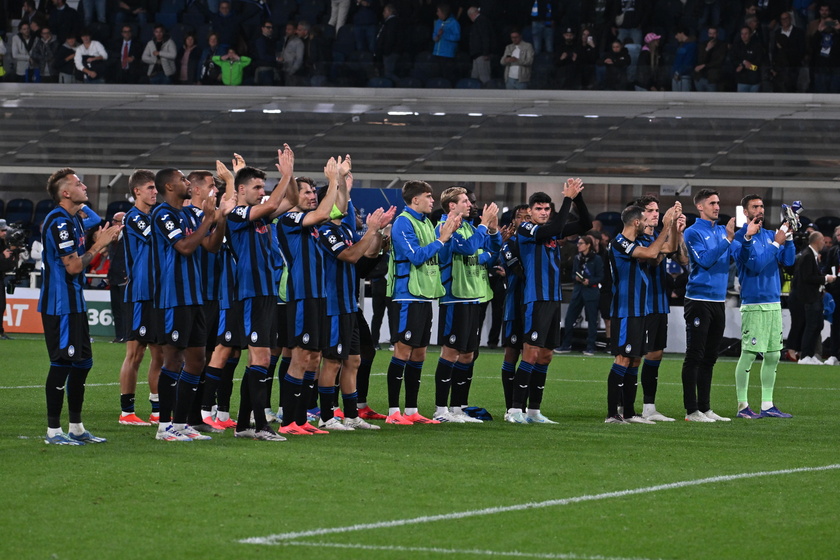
x=62 y=305
x=463 y=273
x=139 y=293
x=177 y=233
x=344 y=351
x=708 y=250
x=631 y=307
x=255 y=284
x=512 y=320
x=413 y=282
x=758 y=254
x=306 y=313
x=656 y=323
x=539 y=248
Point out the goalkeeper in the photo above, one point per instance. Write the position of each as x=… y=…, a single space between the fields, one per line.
x=758 y=253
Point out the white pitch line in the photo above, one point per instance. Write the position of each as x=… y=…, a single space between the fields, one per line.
x=280 y=537
x=475 y=552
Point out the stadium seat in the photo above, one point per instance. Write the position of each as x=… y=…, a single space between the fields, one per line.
x=43 y=208
x=425 y=66
x=2 y=207
x=194 y=20
x=168 y=21
x=495 y=83
x=318 y=81
x=610 y=222
x=438 y=83
x=179 y=31
x=170 y=7
x=826 y=224
x=410 y=82
x=690 y=218
x=380 y=82
x=116 y=206
x=19 y=211
x=468 y=83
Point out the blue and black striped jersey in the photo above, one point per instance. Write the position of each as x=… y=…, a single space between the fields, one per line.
x=514 y=277
x=299 y=245
x=340 y=275
x=657 y=290
x=138 y=255
x=541 y=261
x=251 y=243
x=207 y=262
x=177 y=276
x=61 y=292
x=630 y=280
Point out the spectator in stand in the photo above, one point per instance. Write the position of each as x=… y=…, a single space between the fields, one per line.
x=615 y=62
x=159 y=55
x=28 y=12
x=632 y=18
x=684 y=61
x=748 y=58
x=338 y=13
x=209 y=73
x=313 y=54
x=768 y=13
x=22 y=44
x=92 y=7
x=710 y=58
x=709 y=15
x=446 y=34
x=825 y=57
x=787 y=53
x=64 y=20
x=265 y=55
x=517 y=61
x=365 y=21
x=481 y=44
x=226 y=24
x=66 y=61
x=43 y=56
x=390 y=42
x=292 y=56
x=587 y=58
x=126 y=54
x=806 y=300
x=136 y=11
x=544 y=17
x=566 y=61
x=187 y=61
x=91 y=59
x=649 y=71
x=824 y=15
x=233 y=67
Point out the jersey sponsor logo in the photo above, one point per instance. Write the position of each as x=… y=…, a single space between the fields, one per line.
x=551 y=244
x=175 y=336
x=65 y=245
x=254 y=336
x=71 y=351
x=261 y=228
x=336 y=246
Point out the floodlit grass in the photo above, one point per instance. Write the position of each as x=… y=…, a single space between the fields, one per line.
x=135 y=497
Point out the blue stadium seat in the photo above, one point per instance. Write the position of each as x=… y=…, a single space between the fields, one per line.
x=116 y=206
x=410 y=82
x=495 y=83
x=19 y=211
x=380 y=82
x=826 y=224
x=43 y=208
x=610 y=222
x=468 y=83
x=438 y=83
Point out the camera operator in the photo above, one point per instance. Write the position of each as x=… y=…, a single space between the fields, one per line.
x=8 y=260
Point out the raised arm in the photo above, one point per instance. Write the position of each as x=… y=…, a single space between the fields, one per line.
x=322 y=213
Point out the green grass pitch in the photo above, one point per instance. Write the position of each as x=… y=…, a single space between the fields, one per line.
x=580 y=489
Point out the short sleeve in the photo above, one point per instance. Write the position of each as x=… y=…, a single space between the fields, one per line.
x=62 y=233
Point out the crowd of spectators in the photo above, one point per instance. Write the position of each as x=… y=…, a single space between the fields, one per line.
x=659 y=45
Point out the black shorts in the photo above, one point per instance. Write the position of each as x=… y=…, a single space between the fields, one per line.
x=67 y=337
x=280 y=313
x=211 y=319
x=184 y=327
x=307 y=324
x=542 y=320
x=344 y=337
x=146 y=323
x=657 y=331
x=365 y=337
x=414 y=322
x=628 y=337
x=458 y=326
x=260 y=329
x=229 y=332
x=604 y=305
x=512 y=334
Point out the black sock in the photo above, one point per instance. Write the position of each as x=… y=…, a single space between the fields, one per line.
x=460 y=372
x=291 y=394
x=269 y=385
x=650 y=380
x=76 y=389
x=243 y=418
x=187 y=387
x=363 y=379
x=396 y=371
x=127 y=403
x=631 y=381
x=413 y=371
x=194 y=415
x=257 y=382
x=535 y=395
x=521 y=383
x=443 y=382
x=508 y=373
x=212 y=378
x=327 y=395
x=470 y=369
x=351 y=404
x=615 y=389
x=282 y=370
x=307 y=394
x=225 y=389
x=55 y=388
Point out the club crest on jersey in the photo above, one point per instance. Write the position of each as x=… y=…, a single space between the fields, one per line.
x=408 y=335
x=175 y=336
x=142 y=331
x=452 y=339
x=535 y=335
x=254 y=336
x=697 y=321
x=305 y=338
x=228 y=336
x=71 y=350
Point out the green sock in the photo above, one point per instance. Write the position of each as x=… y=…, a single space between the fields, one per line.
x=768 y=374
x=742 y=374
